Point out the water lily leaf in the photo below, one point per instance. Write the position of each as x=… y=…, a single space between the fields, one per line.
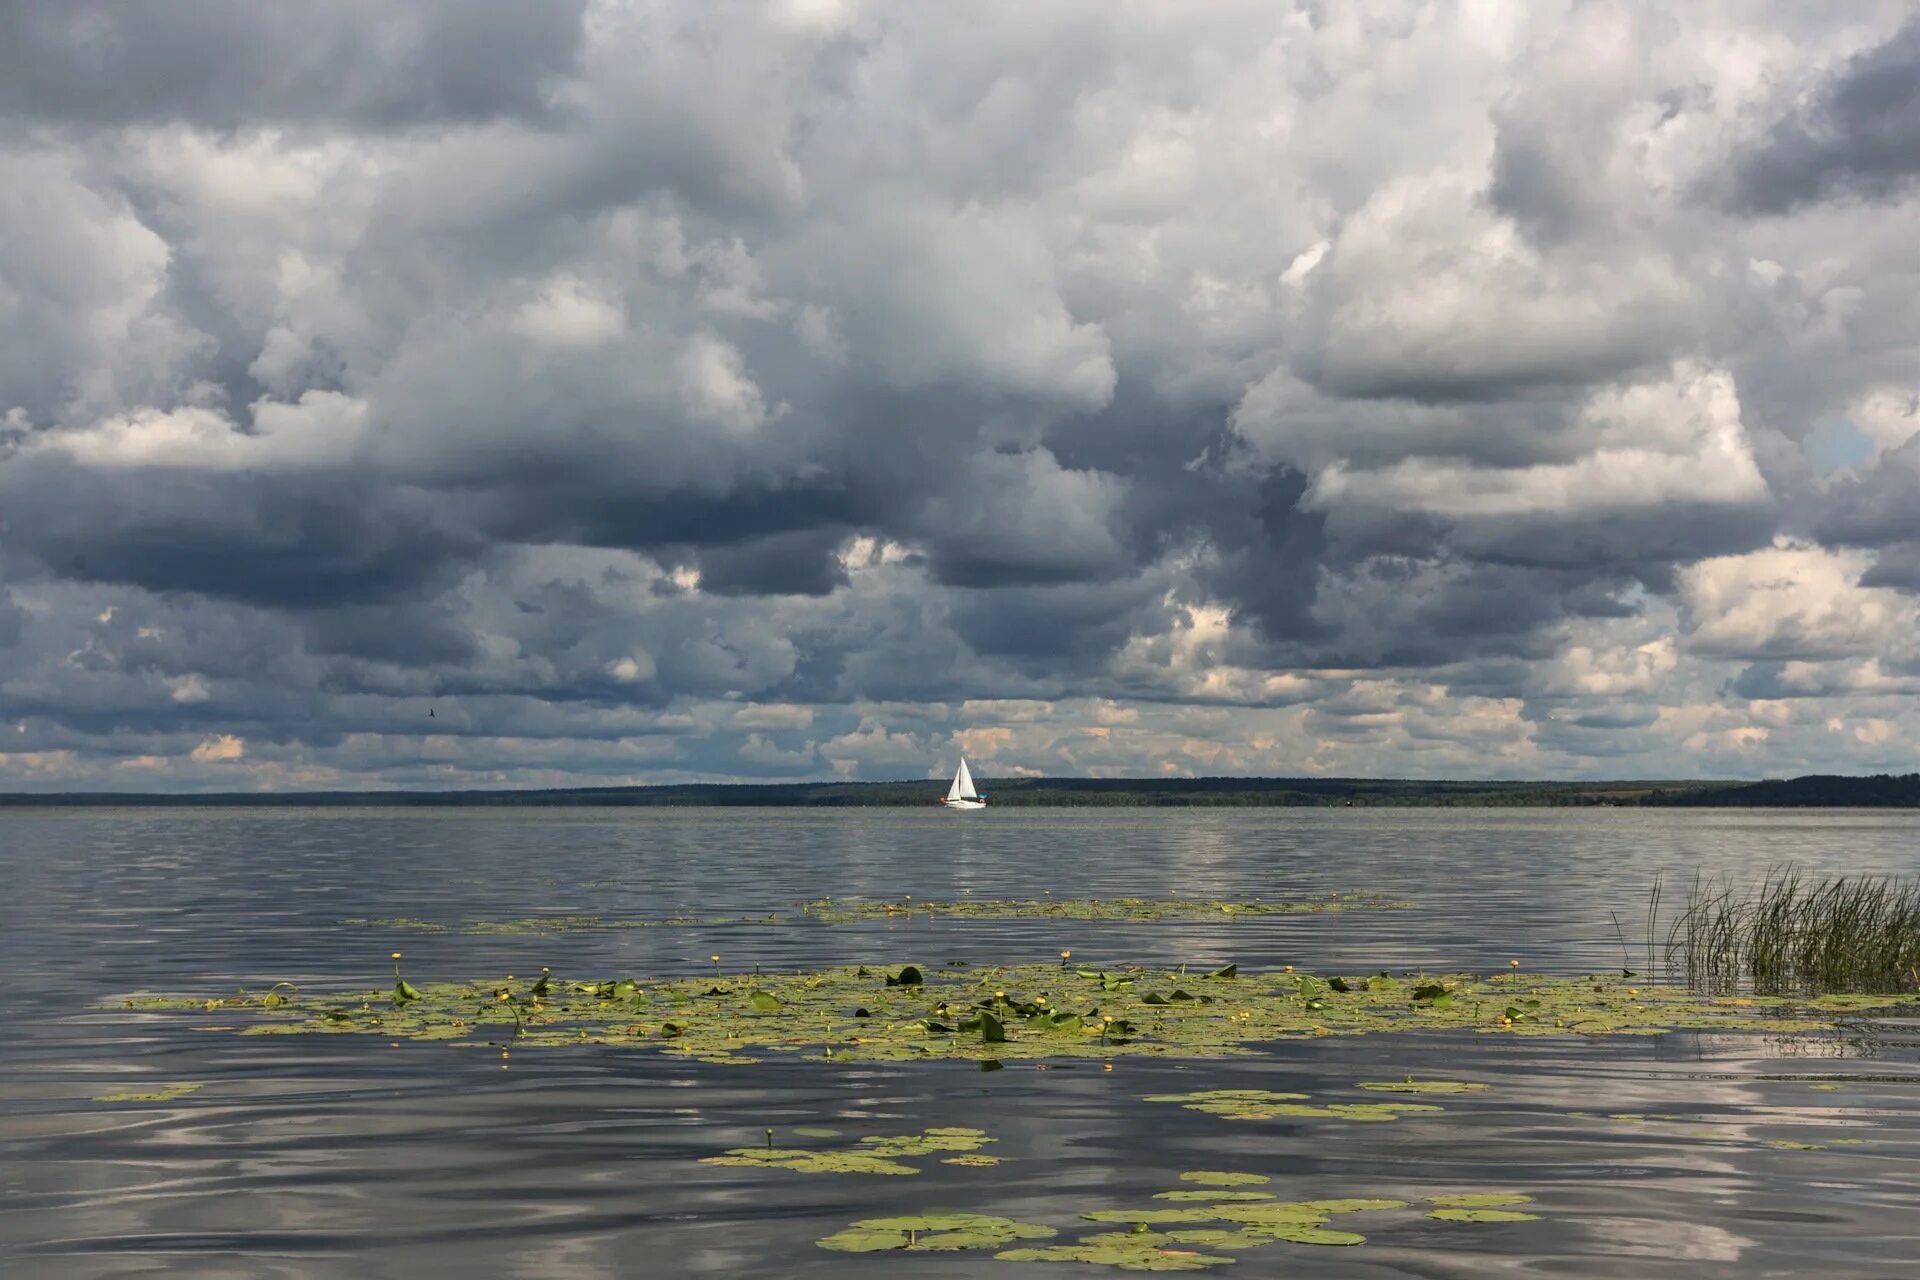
x=1420 y=1086
x=1483 y=1215
x=933 y=1233
x=991 y=1030
x=404 y=991
x=159 y=1093
x=1124 y=1256
x=798 y=1160
x=1216 y=1178
x=1304 y=1234
x=1350 y=1205
x=1225 y=971
x=1216 y=1238
x=766 y=1001
x=1480 y=1199
x=910 y=976
x=1213 y=1197
x=1151 y=1215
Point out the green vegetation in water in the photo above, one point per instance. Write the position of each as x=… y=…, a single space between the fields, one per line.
x=1219 y=1178
x=1013 y=1012
x=1843 y=934
x=160 y=1093
x=1193 y=1237
x=1260 y=1104
x=839 y=911
x=874 y=1155
x=933 y=1233
x=1410 y=1085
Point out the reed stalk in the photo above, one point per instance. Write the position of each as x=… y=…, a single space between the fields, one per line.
x=1790 y=934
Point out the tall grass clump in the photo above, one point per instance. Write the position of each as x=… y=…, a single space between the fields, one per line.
x=1792 y=934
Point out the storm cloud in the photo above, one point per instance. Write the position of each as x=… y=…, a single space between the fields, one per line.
x=501 y=394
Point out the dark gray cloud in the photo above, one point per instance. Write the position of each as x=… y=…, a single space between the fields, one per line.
x=1858 y=136
x=229 y=64
x=660 y=392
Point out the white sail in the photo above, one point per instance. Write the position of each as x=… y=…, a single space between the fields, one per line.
x=963 y=784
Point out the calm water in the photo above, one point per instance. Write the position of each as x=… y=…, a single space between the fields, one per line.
x=309 y=1156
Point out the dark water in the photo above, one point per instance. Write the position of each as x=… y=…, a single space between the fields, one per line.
x=343 y=1156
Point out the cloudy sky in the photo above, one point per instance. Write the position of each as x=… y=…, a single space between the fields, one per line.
x=479 y=393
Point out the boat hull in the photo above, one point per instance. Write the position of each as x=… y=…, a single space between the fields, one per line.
x=964 y=804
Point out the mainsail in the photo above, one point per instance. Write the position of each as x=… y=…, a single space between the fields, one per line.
x=962 y=788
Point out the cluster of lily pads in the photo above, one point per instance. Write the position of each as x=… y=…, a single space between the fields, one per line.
x=876 y=1155
x=1265 y=1104
x=992 y=1013
x=1200 y=1225
x=835 y=911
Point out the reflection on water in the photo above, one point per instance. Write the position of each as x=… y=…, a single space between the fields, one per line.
x=313 y=1156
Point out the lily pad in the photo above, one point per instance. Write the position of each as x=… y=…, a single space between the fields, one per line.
x=1125 y=1255
x=1483 y=1215
x=1151 y=1215
x=1259 y=1104
x=1411 y=1085
x=1217 y=1178
x=1214 y=1197
x=933 y=1233
x=1043 y=1011
x=1479 y=1199
x=159 y=1093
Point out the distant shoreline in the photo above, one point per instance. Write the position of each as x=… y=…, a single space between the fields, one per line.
x=1879 y=791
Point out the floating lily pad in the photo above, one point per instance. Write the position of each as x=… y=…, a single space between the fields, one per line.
x=1788 y=1144
x=1479 y=1199
x=1259 y=1104
x=1214 y=1238
x=1411 y=1085
x=1303 y=1233
x=1214 y=1197
x=837 y=911
x=1125 y=1255
x=1216 y=1178
x=871 y=1155
x=1151 y=1215
x=972 y=1162
x=933 y=1233
x=1035 y=1011
x=801 y=1161
x=1483 y=1215
x=1350 y=1205
x=159 y=1093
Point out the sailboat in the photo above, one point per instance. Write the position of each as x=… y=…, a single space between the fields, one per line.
x=961 y=794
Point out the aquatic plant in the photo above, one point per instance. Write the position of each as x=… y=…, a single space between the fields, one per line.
x=1003 y=1013
x=839 y=911
x=1192 y=1237
x=1260 y=1104
x=933 y=1233
x=872 y=1155
x=1410 y=1085
x=159 y=1093
x=1839 y=934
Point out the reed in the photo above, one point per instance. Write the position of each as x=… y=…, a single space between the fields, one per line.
x=1793 y=934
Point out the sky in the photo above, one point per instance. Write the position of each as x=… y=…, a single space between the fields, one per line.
x=475 y=393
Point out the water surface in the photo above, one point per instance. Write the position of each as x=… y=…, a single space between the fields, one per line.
x=348 y=1156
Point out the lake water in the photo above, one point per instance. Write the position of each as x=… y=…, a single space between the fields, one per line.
x=348 y=1156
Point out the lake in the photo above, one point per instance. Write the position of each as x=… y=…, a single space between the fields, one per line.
x=1685 y=1155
